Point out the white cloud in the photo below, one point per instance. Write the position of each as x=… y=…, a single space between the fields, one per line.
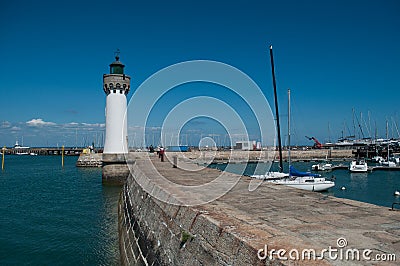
x=94 y=125
x=39 y=122
x=15 y=128
x=5 y=124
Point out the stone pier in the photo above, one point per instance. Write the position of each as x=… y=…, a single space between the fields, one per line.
x=236 y=228
x=115 y=169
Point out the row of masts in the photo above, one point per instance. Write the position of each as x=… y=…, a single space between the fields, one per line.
x=359 y=124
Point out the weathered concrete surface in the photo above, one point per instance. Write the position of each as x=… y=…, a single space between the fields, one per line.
x=115 y=174
x=230 y=230
x=115 y=169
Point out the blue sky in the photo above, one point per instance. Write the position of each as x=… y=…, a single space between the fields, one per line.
x=334 y=55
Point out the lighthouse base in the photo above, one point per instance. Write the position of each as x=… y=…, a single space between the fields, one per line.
x=115 y=169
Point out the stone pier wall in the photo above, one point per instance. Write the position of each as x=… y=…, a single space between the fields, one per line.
x=156 y=233
x=233 y=228
x=115 y=169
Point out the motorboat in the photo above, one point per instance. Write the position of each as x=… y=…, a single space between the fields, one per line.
x=20 y=150
x=377 y=159
x=358 y=166
x=387 y=163
x=322 y=167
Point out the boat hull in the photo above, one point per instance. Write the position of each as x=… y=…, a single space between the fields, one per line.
x=358 y=167
x=313 y=187
x=270 y=176
x=310 y=184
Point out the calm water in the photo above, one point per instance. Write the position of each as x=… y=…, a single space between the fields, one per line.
x=50 y=215
x=377 y=187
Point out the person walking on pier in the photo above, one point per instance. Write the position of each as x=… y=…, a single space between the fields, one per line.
x=161 y=154
x=151 y=149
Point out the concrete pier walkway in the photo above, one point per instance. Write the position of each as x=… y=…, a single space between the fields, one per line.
x=276 y=217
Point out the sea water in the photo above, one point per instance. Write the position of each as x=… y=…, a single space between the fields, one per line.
x=376 y=187
x=65 y=216
x=51 y=215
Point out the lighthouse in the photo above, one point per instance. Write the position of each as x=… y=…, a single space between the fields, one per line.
x=116 y=85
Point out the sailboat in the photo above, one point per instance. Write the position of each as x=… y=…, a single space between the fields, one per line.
x=274 y=175
x=295 y=178
x=387 y=162
x=302 y=180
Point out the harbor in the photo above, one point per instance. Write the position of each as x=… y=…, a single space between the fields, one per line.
x=211 y=133
x=183 y=205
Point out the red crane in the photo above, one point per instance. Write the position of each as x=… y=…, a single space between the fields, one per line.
x=317 y=144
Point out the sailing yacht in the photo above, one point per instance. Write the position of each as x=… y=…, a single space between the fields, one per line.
x=305 y=180
x=296 y=179
x=302 y=180
x=387 y=162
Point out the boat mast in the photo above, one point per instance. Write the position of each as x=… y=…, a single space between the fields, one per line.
x=387 y=138
x=276 y=111
x=289 y=130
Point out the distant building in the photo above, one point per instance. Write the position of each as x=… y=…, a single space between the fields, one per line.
x=247 y=145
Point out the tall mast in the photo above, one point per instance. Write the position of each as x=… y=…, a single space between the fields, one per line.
x=289 y=130
x=276 y=111
x=387 y=138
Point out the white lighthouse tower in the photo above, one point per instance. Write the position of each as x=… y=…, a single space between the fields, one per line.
x=116 y=85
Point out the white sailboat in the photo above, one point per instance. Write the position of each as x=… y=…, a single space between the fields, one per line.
x=387 y=162
x=296 y=179
x=302 y=180
x=305 y=181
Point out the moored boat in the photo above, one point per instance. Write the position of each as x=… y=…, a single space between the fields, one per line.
x=358 y=166
x=387 y=163
x=322 y=167
x=305 y=181
x=296 y=179
x=20 y=150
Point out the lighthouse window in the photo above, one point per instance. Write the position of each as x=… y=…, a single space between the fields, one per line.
x=114 y=91
x=117 y=69
x=120 y=91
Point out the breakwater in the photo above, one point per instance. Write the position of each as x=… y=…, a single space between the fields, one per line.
x=254 y=156
x=45 y=151
x=233 y=228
